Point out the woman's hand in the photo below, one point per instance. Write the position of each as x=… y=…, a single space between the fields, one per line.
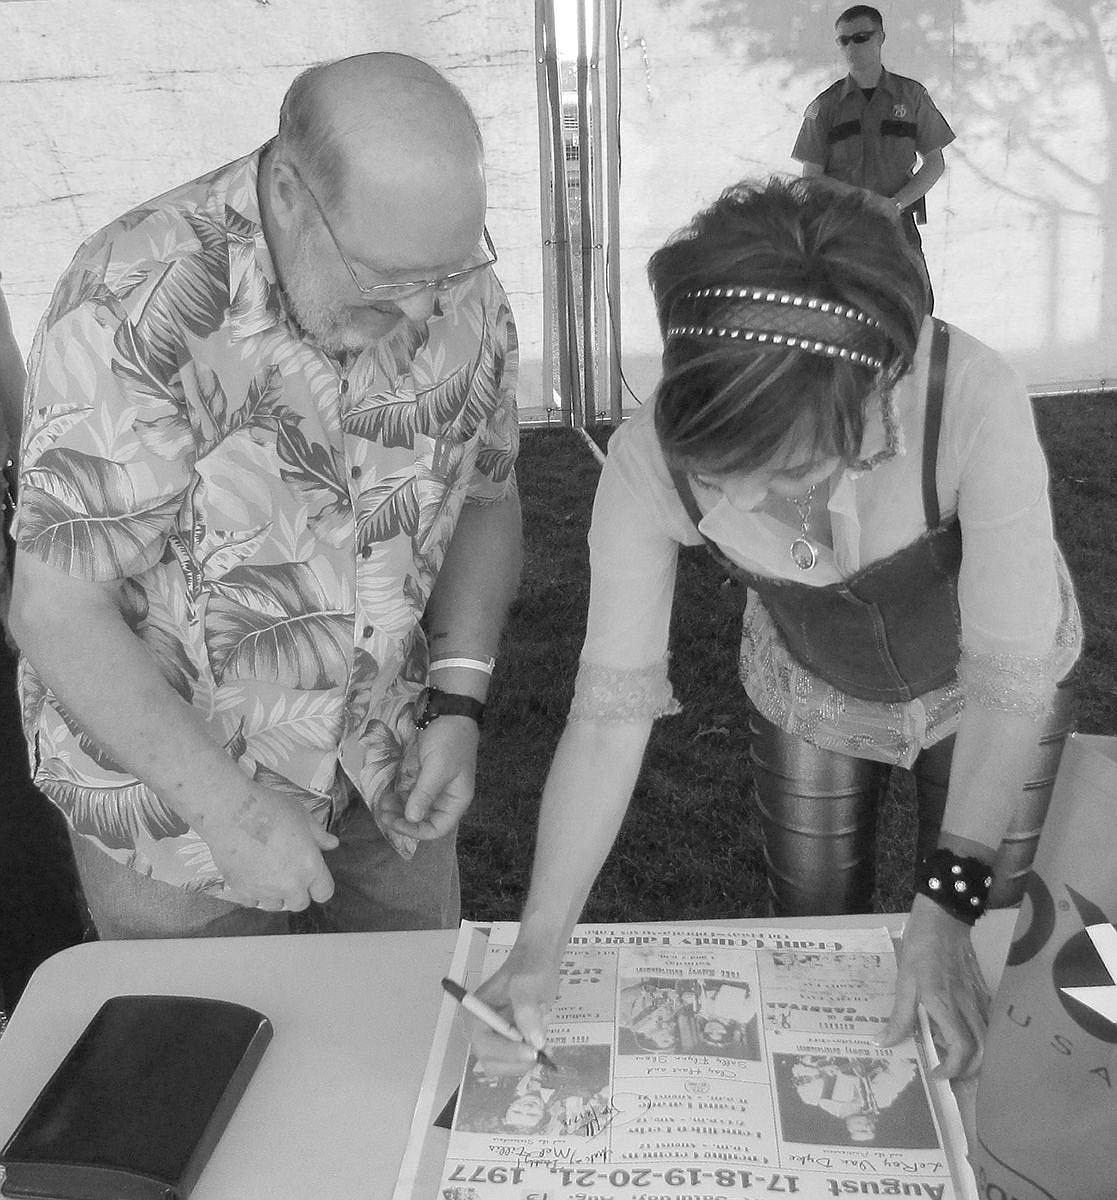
x=523 y=993
x=939 y=970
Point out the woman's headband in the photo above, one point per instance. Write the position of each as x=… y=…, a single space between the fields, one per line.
x=779 y=318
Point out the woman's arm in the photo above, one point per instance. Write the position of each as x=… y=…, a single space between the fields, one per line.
x=622 y=687
x=585 y=799
x=1011 y=604
x=992 y=750
x=937 y=967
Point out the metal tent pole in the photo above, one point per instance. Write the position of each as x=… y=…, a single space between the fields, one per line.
x=566 y=322
x=610 y=173
x=547 y=220
x=586 y=180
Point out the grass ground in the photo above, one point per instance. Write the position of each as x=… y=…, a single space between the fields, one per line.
x=690 y=844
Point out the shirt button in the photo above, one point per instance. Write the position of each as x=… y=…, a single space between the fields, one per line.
x=367 y=632
x=355 y=472
x=366 y=552
x=344 y=385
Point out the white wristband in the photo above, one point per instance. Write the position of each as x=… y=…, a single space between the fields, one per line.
x=470 y=664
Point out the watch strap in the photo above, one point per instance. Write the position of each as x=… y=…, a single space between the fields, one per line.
x=437 y=703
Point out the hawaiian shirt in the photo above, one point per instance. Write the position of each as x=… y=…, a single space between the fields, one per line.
x=279 y=518
x=871 y=143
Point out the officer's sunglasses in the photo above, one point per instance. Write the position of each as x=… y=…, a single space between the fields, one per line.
x=858 y=39
x=402 y=289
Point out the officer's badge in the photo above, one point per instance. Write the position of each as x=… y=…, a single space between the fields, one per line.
x=900 y=111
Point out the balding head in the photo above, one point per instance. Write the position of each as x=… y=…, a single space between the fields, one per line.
x=379 y=121
x=376 y=177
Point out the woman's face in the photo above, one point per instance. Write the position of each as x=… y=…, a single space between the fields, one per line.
x=526 y=1112
x=747 y=490
x=658 y=1027
x=717 y=1031
x=530 y=1081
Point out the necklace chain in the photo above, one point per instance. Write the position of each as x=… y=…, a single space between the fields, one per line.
x=803 y=552
x=803 y=506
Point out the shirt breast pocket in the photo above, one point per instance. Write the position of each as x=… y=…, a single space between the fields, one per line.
x=899 y=131
x=843 y=144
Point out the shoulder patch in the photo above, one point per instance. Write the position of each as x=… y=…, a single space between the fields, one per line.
x=812 y=111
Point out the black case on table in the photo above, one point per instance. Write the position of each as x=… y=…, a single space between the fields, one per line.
x=139 y=1101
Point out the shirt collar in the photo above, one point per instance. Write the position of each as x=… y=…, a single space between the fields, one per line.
x=255 y=302
x=886 y=83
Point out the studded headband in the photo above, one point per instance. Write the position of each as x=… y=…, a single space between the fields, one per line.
x=780 y=318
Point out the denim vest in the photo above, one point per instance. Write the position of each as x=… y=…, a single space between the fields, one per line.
x=891 y=631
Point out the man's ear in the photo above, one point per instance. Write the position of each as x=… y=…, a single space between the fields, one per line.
x=285 y=192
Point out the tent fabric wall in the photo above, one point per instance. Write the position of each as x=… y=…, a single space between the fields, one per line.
x=109 y=102
x=1021 y=239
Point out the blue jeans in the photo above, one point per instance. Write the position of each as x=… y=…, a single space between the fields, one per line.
x=374 y=890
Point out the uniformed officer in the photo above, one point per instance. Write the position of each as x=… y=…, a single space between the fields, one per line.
x=869 y=129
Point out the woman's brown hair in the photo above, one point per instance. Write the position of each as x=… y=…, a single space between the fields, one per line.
x=730 y=404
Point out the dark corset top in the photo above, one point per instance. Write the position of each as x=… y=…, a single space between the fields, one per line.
x=890 y=632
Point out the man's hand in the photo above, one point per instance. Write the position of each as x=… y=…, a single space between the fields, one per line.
x=938 y=969
x=522 y=993
x=268 y=849
x=443 y=789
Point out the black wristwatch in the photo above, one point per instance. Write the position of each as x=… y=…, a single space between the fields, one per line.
x=433 y=702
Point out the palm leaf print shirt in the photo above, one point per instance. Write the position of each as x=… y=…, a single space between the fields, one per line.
x=278 y=520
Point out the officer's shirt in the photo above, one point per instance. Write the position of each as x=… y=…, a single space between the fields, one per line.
x=871 y=143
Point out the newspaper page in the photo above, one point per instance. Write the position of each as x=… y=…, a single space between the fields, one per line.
x=709 y=1064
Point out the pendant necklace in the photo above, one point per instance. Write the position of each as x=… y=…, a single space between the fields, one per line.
x=803 y=553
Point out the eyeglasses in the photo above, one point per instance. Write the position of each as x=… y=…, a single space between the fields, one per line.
x=404 y=288
x=858 y=39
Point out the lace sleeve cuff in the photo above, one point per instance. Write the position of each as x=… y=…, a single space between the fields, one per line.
x=1023 y=683
x=1014 y=683
x=610 y=694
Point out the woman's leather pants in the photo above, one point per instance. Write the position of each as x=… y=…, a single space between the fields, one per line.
x=818 y=811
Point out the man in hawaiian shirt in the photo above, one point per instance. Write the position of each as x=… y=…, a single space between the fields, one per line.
x=869 y=129
x=268 y=461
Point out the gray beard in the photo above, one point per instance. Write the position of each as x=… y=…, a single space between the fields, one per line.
x=328 y=325
x=328 y=329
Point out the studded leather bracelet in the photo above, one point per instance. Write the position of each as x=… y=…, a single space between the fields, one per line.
x=960 y=885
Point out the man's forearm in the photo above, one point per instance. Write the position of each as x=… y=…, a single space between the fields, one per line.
x=110 y=685
x=476 y=585
x=13 y=379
